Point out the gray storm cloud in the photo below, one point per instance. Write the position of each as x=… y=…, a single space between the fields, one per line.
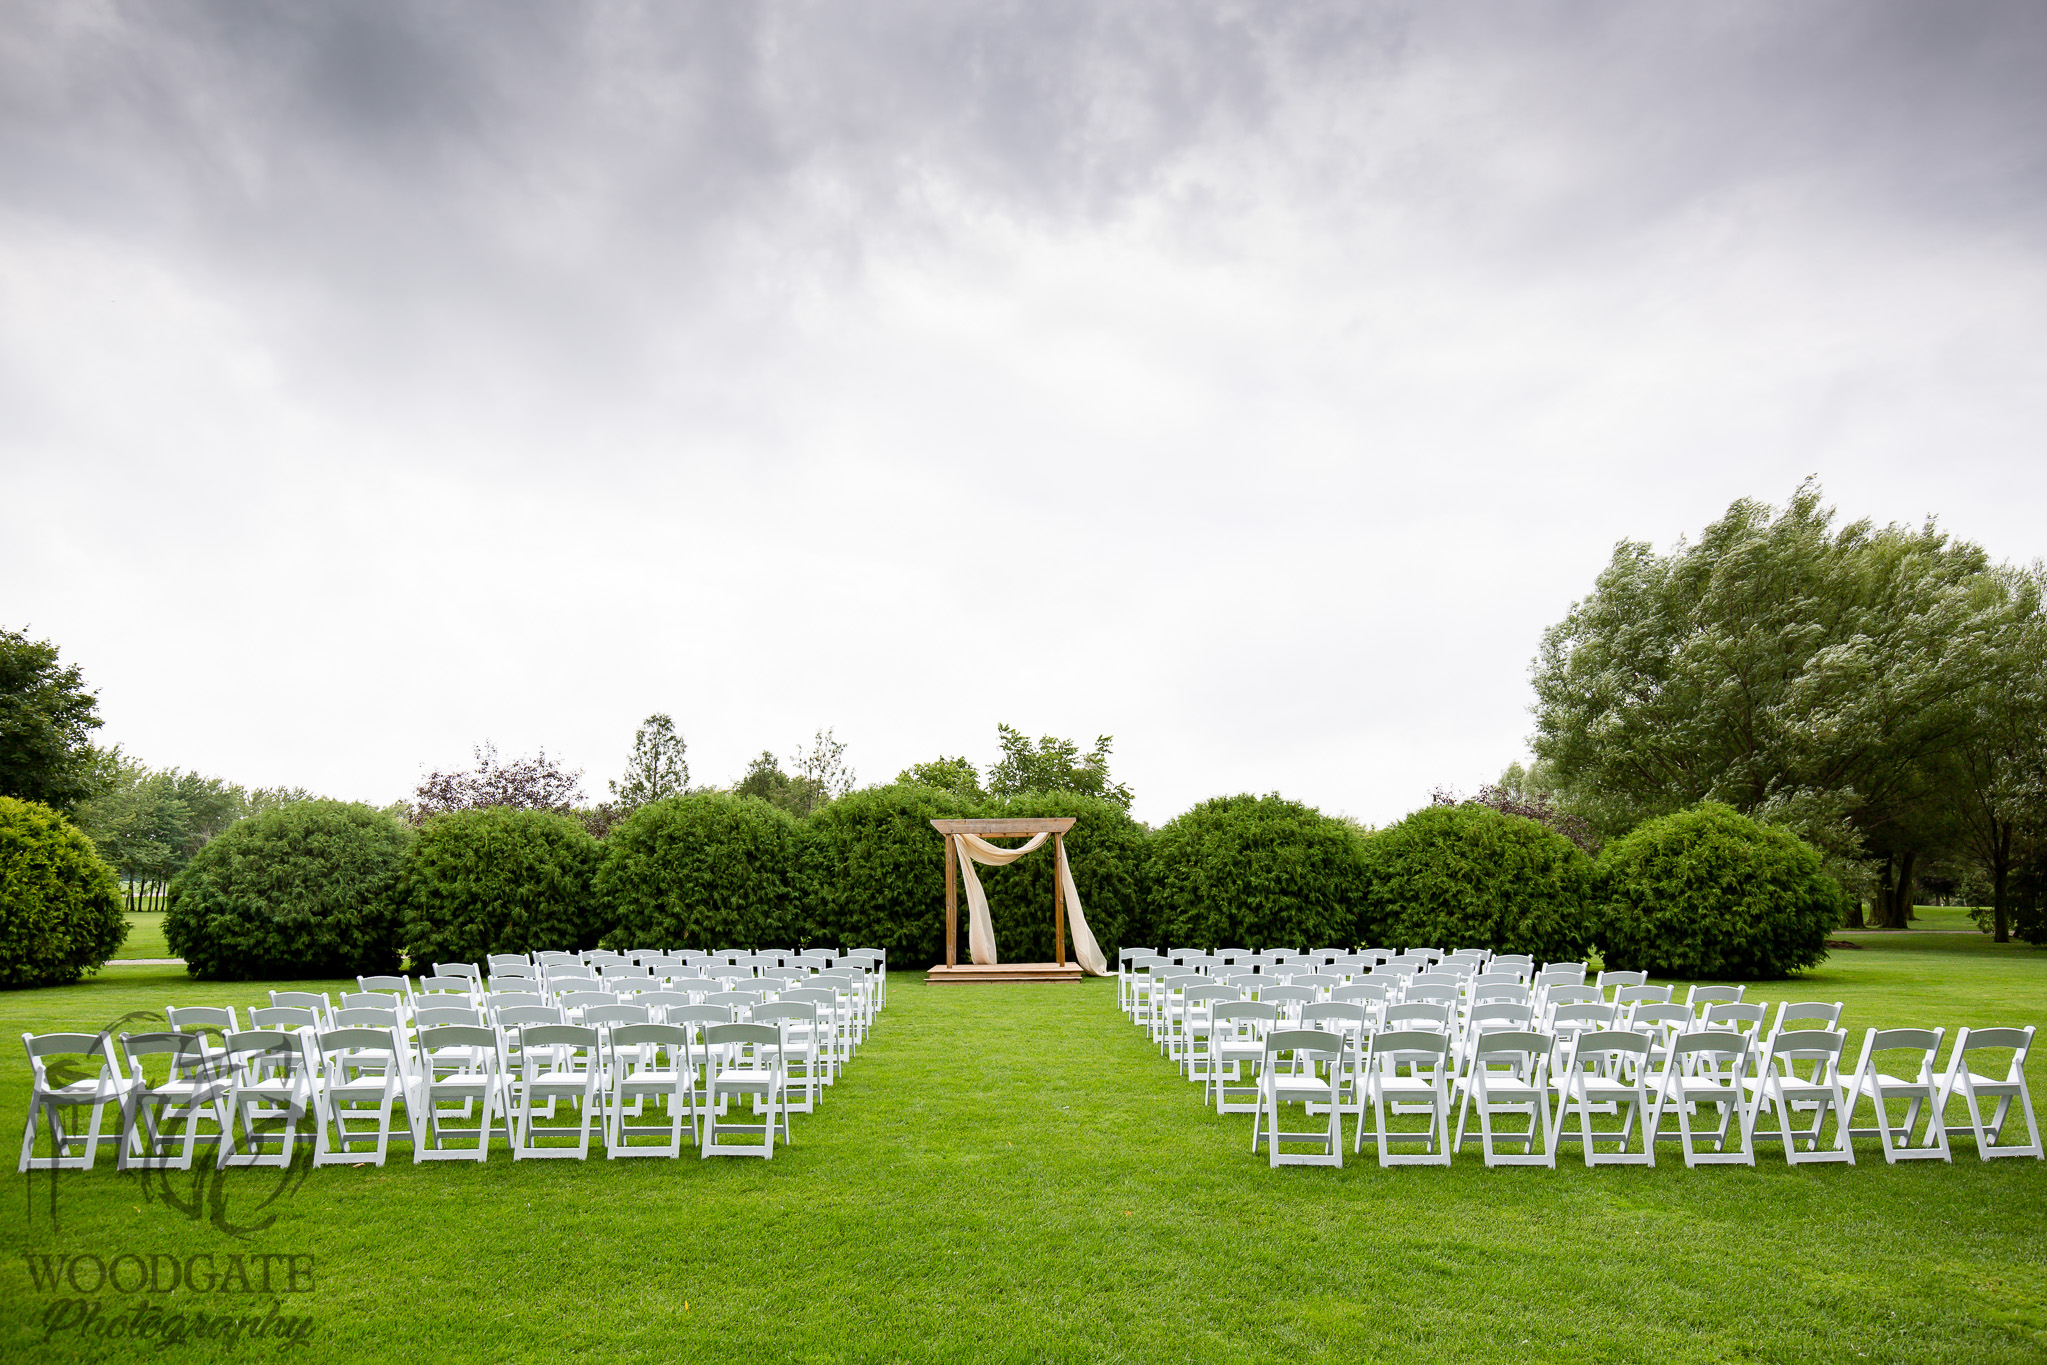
x=425 y=144
x=524 y=368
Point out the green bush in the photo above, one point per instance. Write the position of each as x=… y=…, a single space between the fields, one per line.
x=308 y=889
x=60 y=906
x=1709 y=893
x=1470 y=876
x=708 y=870
x=499 y=880
x=873 y=871
x=1107 y=850
x=1255 y=872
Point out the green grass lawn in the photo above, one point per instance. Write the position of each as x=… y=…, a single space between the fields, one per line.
x=145 y=938
x=1935 y=917
x=1013 y=1174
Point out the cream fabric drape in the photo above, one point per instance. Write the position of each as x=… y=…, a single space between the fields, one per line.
x=981 y=929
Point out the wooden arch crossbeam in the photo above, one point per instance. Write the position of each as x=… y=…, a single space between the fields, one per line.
x=998 y=829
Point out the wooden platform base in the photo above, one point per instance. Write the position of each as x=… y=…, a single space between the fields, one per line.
x=1006 y=971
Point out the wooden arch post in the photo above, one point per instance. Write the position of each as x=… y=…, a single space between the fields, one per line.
x=954 y=970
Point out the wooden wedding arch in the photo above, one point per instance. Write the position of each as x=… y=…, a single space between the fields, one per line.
x=957 y=972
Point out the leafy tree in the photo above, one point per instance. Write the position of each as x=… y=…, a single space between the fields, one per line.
x=821 y=774
x=1815 y=678
x=873 y=871
x=269 y=798
x=1510 y=796
x=1999 y=782
x=1462 y=875
x=46 y=719
x=499 y=880
x=657 y=768
x=537 y=783
x=955 y=775
x=60 y=914
x=303 y=890
x=1256 y=872
x=1708 y=892
x=149 y=823
x=707 y=870
x=1054 y=765
x=764 y=780
x=821 y=777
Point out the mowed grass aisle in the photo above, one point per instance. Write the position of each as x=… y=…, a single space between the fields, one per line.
x=1012 y=1173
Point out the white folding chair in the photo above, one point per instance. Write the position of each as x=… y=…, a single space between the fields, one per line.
x=1354 y=1022
x=465 y=1063
x=1280 y=1083
x=650 y=1062
x=1919 y=1092
x=1519 y=1088
x=191 y=1091
x=359 y=1086
x=557 y=1062
x=1962 y=1077
x=1197 y=1005
x=800 y=1034
x=102 y=1081
x=754 y=1068
x=1619 y=981
x=1236 y=1046
x=1701 y=998
x=1625 y=998
x=316 y=1001
x=1605 y=1070
x=1781 y=1090
x=270 y=1079
x=210 y=1024
x=1703 y=1069
x=1425 y=1054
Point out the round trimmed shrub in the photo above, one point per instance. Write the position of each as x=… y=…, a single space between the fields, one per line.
x=1107 y=851
x=499 y=880
x=709 y=870
x=1471 y=877
x=873 y=871
x=308 y=889
x=1255 y=872
x=60 y=906
x=1709 y=893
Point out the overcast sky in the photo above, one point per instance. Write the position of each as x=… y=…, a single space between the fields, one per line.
x=1253 y=383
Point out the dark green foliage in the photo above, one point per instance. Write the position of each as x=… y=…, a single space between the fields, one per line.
x=304 y=890
x=955 y=775
x=708 y=870
x=873 y=871
x=60 y=906
x=1709 y=893
x=1255 y=872
x=1054 y=765
x=46 y=719
x=1469 y=876
x=499 y=880
x=1107 y=849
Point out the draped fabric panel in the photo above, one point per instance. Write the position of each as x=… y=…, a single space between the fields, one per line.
x=981 y=928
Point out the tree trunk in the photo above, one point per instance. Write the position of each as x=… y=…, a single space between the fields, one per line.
x=2000 y=878
x=1854 y=920
x=1893 y=898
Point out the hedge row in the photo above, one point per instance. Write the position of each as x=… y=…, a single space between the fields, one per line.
x=60 y=905
x=323 y=888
